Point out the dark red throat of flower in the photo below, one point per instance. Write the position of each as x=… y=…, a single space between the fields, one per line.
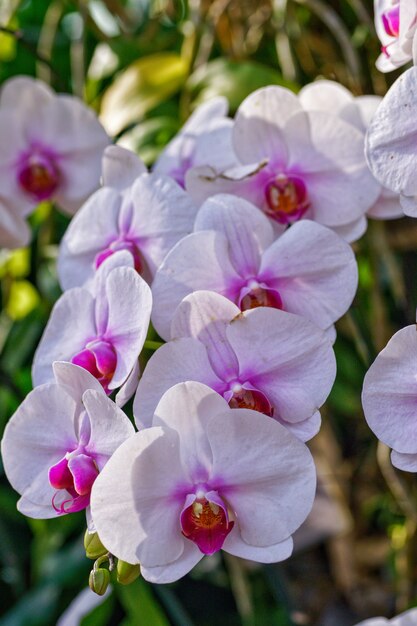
x=40 y=178
x=286 y=199
x=206 y=523
x=261 y=297
x=251 y=399
x=391 y=21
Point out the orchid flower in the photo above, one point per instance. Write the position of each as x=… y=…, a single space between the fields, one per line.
x=263 y=359
x=202 y=478
x=327 y=95
x=308 y=270
x=52 y=147
x=389 y=397
x=143 y=214
x=102 y=329
x=409 y=618
x=390 y=141
x=395 y=23
x=207 y=124
x=292 y=164
x=58 y=441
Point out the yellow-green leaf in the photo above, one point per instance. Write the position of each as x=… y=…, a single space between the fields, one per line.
x=140 y=87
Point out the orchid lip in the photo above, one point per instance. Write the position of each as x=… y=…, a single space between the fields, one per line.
x=245 y=396
x=205 y=521
x=74 y=476
x=38 y=174
x=256 y=294
x=100 y=359
x=286 y=198
x=116 y=246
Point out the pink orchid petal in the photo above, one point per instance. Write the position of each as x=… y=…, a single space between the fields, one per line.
x=84 y=471
x=60 y=476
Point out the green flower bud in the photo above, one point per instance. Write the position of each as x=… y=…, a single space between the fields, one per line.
x=93 y=546
x=99 y=580
x=127 y=573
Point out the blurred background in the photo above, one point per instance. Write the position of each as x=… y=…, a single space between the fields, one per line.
x=144 y=65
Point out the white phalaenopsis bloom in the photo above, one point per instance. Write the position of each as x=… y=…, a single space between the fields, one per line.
x=262 y=359
x=395 y=23
x=143 y=214
x=308 y=269
x=201 y=478
x=389 y=397
x=292 y=164
x=390 y=141
x=409 y=618
x=58 y=441
x=327 y=95
x=51 y=149
x=207 y=124
x=102 y=329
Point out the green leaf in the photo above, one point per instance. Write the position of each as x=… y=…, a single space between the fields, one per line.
x=140 y=87
x=140 y=605
x=232 y=79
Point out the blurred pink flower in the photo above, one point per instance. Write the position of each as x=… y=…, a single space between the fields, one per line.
x=201 y=478
x=51 y=149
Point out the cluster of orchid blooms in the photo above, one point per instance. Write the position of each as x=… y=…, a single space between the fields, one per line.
x=236 y=246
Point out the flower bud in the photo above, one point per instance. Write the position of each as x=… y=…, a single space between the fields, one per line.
x=93 y=546
x=127 y=573
x=99 y=580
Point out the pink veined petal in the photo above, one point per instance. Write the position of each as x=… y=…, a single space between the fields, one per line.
x=392 y=134
x=133 y=503
x=69 y=328
x=205 y=315
x=258 y=124
x=387 y=206
x=90 y=232
x=121 y=167
x=175 y=362
x=286 y=357
x=80 y=178
x=36 y=511
x=306 y=429
x=110 y=427
x=163 y=214
x=247 y=231
x=98 y=287
x=14 y=231
x=84 y=471
x=187 y=408
x=353 y=231
x=270 y=485
x=75 y=380
x=314 y=272
x=235 y=545
x=177 y=569
x=409 y=205
x=325 y=95
x=199 y=261
x=36 y=438
x=405 y=462
x=390 y=392
x=130 y=304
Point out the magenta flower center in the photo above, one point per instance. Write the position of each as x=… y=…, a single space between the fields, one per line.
x=39 y=175
x=255 y=294
x=206 y=523
x=100 y=359
x=250 y=399
x=391 y=21
x=286 y=199
x=73 y=477
x=121 y=244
